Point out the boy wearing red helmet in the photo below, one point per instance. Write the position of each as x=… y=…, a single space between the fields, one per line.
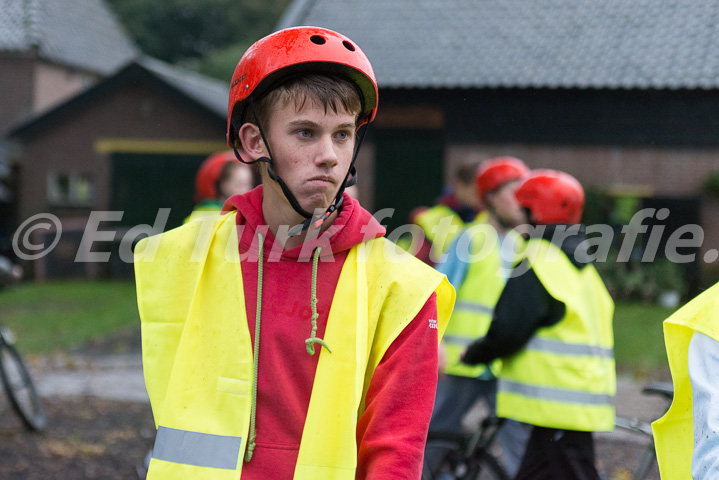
x=219 y=177
x=280 y=340
x=552 y=327
x=479 y=282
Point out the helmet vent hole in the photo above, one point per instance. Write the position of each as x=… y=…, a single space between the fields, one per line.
x=318 y=40
x=348 y=46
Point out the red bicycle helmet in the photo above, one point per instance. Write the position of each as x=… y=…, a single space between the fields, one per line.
x=552 y=197
x=495 y=172
x=299 y=50
x=209 y=172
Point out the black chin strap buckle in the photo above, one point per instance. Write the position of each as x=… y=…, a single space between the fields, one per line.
x=299 y=228
x=318 y=223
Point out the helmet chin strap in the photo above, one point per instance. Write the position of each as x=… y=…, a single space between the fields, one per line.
x=317 y=221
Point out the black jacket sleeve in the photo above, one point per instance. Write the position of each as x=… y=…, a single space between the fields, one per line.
x=523 y=307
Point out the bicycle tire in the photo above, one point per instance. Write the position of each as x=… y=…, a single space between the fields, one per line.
x=20 y=388
x=449 y=451
x=648 y=460
x=445 y=459
x=647 y=463
x=488 y=468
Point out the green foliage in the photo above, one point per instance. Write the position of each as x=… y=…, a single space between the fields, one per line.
x=596 y=206
x=625 y=206
x=221 y=63
x=183 y=30
x=669 y=276
x=711 y=184
x=641 y=281
x=55 y=316
x=639 y=339
x=600 y=207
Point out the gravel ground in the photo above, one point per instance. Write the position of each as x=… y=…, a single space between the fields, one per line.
x=100 y=424
x=86 y=438
x=617 y=459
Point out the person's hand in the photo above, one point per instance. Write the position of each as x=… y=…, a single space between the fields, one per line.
x=441 y=359
x=468 y=356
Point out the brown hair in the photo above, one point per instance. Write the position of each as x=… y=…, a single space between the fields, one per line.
x=466 y=172
x=331 y=92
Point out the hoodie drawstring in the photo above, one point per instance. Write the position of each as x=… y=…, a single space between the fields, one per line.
x=255 y=361
x=256 y=356
x=313 y=339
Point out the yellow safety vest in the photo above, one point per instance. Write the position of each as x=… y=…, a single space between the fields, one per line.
x=674 y=432
x=565 y=376
x=204 y=209
x=197 y=351
x=439 y=232
x=476 y=296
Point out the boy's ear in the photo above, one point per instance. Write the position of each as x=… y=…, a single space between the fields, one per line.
x=251 y=139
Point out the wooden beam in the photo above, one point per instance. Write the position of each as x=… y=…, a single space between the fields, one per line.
x=166 y=146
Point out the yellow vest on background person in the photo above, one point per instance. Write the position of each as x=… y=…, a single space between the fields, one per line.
x=565 y=376
x=197 y=351
x=674 y=432
x=476 y=297
x=437 y=231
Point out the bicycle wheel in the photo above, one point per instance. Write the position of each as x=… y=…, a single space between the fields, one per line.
x=446 y=459
x=443 y=459
x=486 y=467
x=19 y=388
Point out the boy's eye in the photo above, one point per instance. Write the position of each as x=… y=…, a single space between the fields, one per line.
x=304 y=133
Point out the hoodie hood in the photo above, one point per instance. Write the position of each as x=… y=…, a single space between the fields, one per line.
x=353 y=225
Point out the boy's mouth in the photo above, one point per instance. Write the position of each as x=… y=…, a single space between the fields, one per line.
x=322 y=180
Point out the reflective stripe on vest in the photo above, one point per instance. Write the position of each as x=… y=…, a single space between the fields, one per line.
x=197 y=449
x=189 y=295
x=562 y=348
x=473 y=307
x=674 y=432
x=555 y=394
x=476 y=296
x=564 y=377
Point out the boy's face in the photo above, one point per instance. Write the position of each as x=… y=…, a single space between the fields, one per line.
x=466 y=193
x=505 y=204
x=238 y=182
x=312 y=151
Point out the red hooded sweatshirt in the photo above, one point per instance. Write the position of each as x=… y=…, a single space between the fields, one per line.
x=391 y=433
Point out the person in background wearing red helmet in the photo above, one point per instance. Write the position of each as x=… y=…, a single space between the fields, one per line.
x=287 y=339
x=479 y=279
x=552 y=328
x=219 y=177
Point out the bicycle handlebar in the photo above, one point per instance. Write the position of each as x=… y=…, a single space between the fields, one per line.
x=663 y=389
